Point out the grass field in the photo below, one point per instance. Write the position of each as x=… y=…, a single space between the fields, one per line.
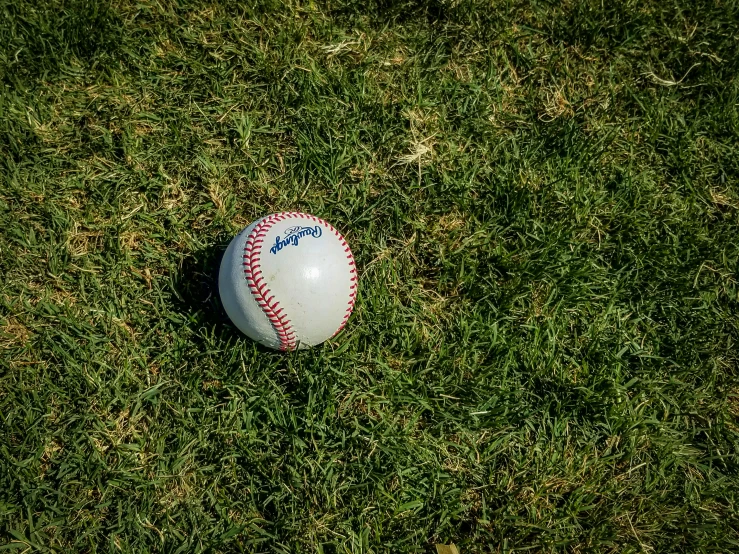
x=542 y=199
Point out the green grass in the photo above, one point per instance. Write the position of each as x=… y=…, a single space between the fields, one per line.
x=542 y=199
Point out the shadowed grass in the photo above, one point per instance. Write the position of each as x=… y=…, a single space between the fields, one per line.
x=542 y=200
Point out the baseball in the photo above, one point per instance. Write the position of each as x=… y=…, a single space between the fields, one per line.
x=288 y=281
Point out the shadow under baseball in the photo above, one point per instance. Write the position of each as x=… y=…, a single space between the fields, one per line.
x=195 y=287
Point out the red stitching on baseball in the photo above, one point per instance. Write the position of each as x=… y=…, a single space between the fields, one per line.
x=257 y=285
x=352 y=288
x=256 y=282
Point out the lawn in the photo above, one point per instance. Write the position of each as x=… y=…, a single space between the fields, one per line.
x=543 y=202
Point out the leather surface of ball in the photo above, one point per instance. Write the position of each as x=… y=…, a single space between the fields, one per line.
x=288 y=281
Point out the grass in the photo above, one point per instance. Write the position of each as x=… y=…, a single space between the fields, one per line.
x=543 y=202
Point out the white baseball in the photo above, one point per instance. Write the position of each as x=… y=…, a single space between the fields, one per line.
x=288 y=281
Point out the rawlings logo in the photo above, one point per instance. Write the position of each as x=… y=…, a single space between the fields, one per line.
x=293 y=236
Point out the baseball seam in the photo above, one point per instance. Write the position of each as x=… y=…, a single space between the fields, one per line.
x=262 y=294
